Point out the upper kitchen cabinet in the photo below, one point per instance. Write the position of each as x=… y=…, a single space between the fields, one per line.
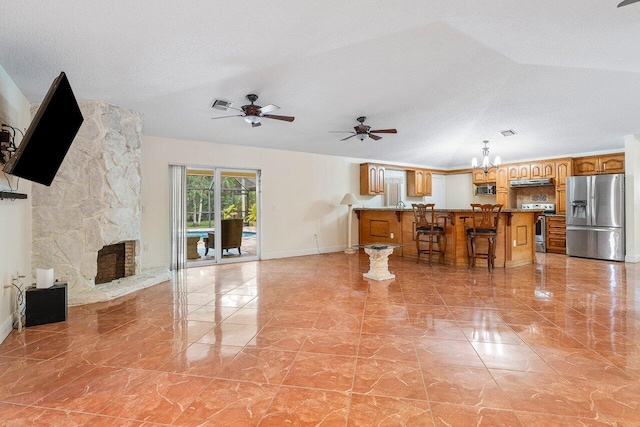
x=502 y=186
x=418 y=183
x=563 y=170
x=593 y=165
x=543 y=169
x=502 y=179
x=371 y=179
x=519 y=171
x=479 y=177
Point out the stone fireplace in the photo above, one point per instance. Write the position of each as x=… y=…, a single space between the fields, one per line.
x=94 y=201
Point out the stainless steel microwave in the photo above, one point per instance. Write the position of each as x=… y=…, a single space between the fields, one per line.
x=485 y=190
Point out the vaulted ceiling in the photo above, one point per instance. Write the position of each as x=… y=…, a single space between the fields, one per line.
x=564 y=75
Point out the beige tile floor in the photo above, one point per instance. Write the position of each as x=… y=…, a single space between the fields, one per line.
x=308 y=341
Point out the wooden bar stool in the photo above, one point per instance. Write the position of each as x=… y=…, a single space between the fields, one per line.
x=432 y=227
x=484 y=225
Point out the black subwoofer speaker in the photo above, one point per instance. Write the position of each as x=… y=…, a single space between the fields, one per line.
x=46 y=305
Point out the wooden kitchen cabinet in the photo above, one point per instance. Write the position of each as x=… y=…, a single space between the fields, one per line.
x=502 y=179
x=502 y=186
x=519 y=171
x=594 y=165
x=543 y=169
x=480 y=178
x=502 y=198
x=563 y=170
x=556 y=234
x=371 y=179
x=418 y=183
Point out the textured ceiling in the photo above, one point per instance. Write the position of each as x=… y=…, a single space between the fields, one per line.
x=565 y=75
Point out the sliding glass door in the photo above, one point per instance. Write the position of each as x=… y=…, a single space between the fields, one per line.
x=222 y=215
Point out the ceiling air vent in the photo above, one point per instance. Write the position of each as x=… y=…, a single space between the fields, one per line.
x=507 y=132
x=219 y=104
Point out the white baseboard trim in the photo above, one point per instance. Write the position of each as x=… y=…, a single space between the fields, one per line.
x=6 y=327
x=303 y=252
x=632 y=258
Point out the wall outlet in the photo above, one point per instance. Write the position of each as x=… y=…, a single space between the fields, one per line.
x=392 y=235
x=514 y=243
x=145 y=247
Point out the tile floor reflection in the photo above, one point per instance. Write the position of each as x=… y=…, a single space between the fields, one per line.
x=308 y=341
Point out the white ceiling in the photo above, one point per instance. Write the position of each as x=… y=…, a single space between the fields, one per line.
x=565 y=75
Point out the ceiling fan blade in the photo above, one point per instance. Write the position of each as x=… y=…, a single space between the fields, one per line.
x=224 y=117
x=375 y=137
x=269 y=108
x=234 y=108
x=255 y=125
x=389 y=130
x=284 y=118
x=626 y=2
x=341 y=131
x=344 y=139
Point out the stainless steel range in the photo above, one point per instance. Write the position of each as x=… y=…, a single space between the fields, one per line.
x=541 y=224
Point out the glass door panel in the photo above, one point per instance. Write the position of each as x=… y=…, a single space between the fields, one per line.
x=200 y=214
x=225 y=200
x=239 y=213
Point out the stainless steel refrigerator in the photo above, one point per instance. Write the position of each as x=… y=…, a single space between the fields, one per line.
x=595 y=216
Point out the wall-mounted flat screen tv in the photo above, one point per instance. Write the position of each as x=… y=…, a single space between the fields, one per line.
x=49 y=136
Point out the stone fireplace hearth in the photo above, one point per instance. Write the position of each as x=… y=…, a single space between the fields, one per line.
x=93 y=202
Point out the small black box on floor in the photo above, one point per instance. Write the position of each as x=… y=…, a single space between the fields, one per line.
x=46 y=305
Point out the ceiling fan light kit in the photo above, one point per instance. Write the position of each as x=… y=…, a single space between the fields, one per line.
x=252 y=119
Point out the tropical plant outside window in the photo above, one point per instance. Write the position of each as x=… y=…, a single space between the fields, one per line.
x=238 y=199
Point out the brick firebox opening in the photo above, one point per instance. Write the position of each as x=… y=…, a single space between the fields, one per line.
x=116 y=261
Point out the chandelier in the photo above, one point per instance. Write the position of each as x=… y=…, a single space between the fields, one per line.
x=486 y=165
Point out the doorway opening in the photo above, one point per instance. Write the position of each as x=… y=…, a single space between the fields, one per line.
x=222 y=215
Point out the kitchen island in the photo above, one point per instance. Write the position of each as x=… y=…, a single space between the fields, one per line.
x=515 y=243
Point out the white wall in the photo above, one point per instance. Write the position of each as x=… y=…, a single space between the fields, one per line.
x=438 y=192
x=632 y=197
x=459 y=191
x=15 y=216
x=301 y=193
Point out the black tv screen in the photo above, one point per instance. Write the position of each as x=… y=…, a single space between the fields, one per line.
x=49 y=136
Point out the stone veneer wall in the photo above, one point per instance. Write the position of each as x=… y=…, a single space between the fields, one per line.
x=94 y=199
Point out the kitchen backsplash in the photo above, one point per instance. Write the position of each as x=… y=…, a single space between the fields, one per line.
x=535 y=195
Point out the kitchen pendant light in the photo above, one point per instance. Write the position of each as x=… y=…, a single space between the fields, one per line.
x=486 y=165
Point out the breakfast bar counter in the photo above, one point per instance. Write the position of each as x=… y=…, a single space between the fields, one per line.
x=515 y=243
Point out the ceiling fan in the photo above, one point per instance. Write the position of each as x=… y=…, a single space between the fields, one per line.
x=254 y=113
x=626 y=2
x=363 y=131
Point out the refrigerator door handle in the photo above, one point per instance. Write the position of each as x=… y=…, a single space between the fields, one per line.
x=591 y=194
x=583 y=228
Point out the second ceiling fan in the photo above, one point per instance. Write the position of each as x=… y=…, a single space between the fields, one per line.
x=363 y=131
x=253 y=113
